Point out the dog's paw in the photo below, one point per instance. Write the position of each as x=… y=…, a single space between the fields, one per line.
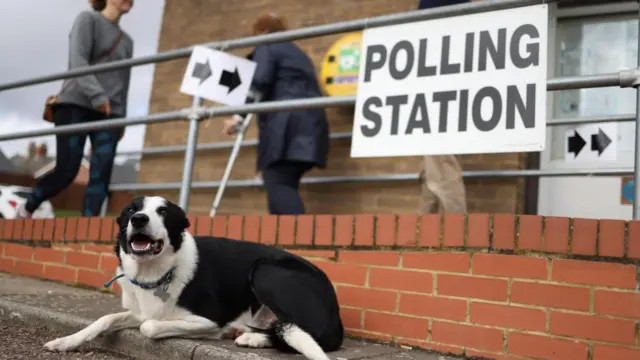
x=149 y=328
x=253 y=340
x=232 y=333
x=64 y=343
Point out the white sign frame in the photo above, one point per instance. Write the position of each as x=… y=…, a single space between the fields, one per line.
x=472 y=141
x=210 y=88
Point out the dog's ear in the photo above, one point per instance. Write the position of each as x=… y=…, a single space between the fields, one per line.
x=187 y=223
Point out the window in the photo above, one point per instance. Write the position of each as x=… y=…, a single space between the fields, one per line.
x=590 y=46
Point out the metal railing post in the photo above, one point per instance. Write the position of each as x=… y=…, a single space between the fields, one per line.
x=636 y=161
x=190 y=154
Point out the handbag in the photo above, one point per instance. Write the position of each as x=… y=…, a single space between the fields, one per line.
x=47 y=115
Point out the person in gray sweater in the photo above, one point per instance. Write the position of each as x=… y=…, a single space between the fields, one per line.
x=95 y=37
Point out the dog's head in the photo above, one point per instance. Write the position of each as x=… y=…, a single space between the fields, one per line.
x=149 y=227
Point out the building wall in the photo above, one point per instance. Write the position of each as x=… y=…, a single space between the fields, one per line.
x=188 y=22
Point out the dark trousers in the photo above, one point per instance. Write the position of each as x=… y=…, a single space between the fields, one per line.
x=282 y=182
x=69 y=154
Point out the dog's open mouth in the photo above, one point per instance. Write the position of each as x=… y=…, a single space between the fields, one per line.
x=142 y=244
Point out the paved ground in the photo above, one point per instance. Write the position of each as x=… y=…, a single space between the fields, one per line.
x=57 y=309
x=25 y=343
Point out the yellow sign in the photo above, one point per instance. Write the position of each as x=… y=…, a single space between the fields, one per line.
x=340 y=66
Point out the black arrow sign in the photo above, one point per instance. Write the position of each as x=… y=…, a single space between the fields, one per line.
x=230 y=79
x=576 y=143
x=600 y=141
x=202 y=71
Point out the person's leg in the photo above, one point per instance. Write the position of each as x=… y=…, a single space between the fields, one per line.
x=282 y=181
x=103 y=152
x=69 y=150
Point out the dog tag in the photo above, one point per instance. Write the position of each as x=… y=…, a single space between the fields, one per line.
x=162 y=294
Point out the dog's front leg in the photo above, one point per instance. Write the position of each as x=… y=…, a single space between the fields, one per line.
x=189 y=326
x=109 y=322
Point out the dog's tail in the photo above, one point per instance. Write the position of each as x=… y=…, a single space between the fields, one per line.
x=300 y=341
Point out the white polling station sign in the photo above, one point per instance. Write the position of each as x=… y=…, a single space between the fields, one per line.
x=460 y=85
x=218 y=76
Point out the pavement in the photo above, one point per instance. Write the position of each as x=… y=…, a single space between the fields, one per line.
x=49 y=309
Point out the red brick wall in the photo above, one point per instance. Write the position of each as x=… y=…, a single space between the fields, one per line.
x=499 y=286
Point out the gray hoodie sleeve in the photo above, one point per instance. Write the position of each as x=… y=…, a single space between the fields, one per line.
x=80 y=46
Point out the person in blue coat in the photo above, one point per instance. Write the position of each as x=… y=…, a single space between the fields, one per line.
x=290 y=142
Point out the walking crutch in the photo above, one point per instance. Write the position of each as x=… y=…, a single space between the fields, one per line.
x=240 y=129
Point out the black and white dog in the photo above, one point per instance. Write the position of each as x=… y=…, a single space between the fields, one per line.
x=178 y=285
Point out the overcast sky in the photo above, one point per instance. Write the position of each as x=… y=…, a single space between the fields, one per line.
x=35 y=42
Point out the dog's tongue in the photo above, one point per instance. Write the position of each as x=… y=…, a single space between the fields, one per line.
x=141 y=243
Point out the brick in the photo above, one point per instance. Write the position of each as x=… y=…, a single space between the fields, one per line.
x=475 y=354
x=344 y=230
x=449 y=262
x=60 y=273
x=269 y=229
x=107 y=229
x=407 y=230
x=625 y=304
x=2 y=221
x=530 y=232
x=396 y=325
x=304 y=230
x=48 y=229
x=92 y=278
x=351 y=318
x=583 y=239
x=234 y=229
x=343 y=273
x=6 y=265
x=511 y=317
x=466 y=335
x=504 y=231
x=88 y=261
x=371 y=299
x=70 y=229
x=286 y=229
x=421 y=282
x=373 y=257
x=634 y=240
x=594 y=273
x=38 y=228
x=385 y=230
x=609 y=352
x=82 y=230
x=512 y=266
x=478 y=233
x=323 y=254
x=27 y=232
x=544 y=347
x=203 y=226
x=323 y=230
x=251 y=228
x=453 y=230
x=18 y=227
x=472 y=287
x=18 y=251
x=550 y=295
x=27 y=268
x=556 y=235
x=363 y=230
x=219 y=226
x=98 y=248
x=430 y=230
x=369 y=335
x=7 y=229
x=433 y=307
x=108 y=263
x=593 y=327
x=48 y=255
x=93 y=232
x=611 y=239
